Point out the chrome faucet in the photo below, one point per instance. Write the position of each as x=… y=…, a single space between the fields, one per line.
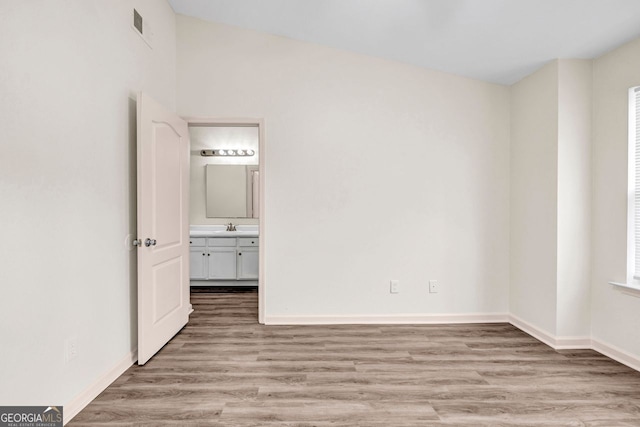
x=231 y=227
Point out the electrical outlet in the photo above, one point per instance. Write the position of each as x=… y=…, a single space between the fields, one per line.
x=70 y=349
x=394 y=287
x=433 y=286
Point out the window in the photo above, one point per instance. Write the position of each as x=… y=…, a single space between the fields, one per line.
x=633 y=215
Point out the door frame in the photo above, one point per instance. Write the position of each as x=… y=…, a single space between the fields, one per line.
x=261 y=168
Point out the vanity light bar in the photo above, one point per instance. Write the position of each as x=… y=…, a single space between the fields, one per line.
x=227 y=153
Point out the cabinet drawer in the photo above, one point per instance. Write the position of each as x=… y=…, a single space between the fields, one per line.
x=247 y=241
x=222 y=241
x=197 y=241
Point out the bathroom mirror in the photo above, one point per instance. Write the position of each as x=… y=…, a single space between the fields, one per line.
x=224 y=167
x=232 y=191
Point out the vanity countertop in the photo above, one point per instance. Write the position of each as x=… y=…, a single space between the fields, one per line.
x=220 y=231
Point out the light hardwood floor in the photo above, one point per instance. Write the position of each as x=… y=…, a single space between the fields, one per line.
x=224 y=369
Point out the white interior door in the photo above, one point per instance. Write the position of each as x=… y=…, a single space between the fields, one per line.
x=163 y=226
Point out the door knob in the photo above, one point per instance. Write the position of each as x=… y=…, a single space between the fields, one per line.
x=149 y=242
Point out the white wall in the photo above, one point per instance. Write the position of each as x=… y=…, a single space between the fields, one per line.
x=375 y=170
x=533 y=179
x=67 y=180
x=615 y=314
x=551 y=198
x=574 y=198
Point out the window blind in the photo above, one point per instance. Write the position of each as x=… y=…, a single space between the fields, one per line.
x=635 y=129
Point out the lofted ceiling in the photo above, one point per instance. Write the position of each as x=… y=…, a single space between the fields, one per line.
x=498 y=41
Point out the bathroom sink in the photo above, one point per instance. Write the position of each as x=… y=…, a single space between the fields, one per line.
x=221 y=231
x=232 y=233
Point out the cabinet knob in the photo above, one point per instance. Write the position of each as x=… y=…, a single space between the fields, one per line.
x=208 y=254
x=202 y=254
x=239 y=253
x=190 y=242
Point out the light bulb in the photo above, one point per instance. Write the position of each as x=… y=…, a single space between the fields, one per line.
x=240 y=152
x=231 y=152
x=222 y=152
x=250 y=152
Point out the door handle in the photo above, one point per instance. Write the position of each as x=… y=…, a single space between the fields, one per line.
x=149 y=242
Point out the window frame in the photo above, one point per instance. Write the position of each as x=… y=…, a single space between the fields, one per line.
x=631 y=281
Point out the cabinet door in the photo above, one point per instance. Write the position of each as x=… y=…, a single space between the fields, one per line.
x=197 y=264
x=248 y=263
x=222 y=263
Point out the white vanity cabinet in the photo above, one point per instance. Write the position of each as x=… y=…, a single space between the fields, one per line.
x=198 y=258
x=224 y=258
x=222 y=264
x=248 y=258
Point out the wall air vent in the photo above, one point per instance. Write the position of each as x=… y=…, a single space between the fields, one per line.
x=137 y=21
x=142 y=28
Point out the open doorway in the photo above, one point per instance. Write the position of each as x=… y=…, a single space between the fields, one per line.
x=227 y=206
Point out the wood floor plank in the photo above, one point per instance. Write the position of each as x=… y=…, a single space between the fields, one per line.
x=333 y=410
x=225 y=369
x=427 y=379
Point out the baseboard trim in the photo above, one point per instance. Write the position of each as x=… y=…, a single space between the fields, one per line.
x=388 y=319
x=616 y=354
x=573 y=343
x=537 y=333
x=557 y=343
x=76 y=405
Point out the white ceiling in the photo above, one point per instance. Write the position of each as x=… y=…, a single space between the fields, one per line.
x=493 y=40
